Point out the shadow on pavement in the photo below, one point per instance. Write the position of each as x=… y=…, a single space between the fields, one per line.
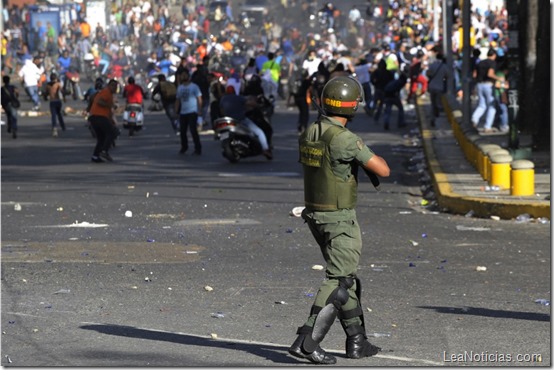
x=476 y=311
x=270 y=352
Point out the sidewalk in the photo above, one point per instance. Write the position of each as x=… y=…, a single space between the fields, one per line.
x=458 y=185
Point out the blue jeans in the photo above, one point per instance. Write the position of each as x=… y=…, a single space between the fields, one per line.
x=257 y=131
x=11 y=115
x=486 y=104
x=105 y=64
x=183 y=46
x=56 y=113
x=368 y=96
x=170 y=113
x=503 y=115
x=33 y=92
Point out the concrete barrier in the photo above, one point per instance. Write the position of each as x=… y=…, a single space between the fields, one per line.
x=522 y=178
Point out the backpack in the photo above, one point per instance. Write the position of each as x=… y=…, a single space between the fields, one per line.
x=12 y=99
x=168 y=91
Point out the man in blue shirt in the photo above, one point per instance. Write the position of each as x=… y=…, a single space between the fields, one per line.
x=64 y=61
x=189 y=105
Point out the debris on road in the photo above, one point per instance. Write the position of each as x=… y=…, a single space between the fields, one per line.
x=472 y=228
x=208 y=288
x=297 y=211
x=544 y=302
x=317 y=267
x=481 y=268
x=62 y=291
x=17 y=207
x=128 y=214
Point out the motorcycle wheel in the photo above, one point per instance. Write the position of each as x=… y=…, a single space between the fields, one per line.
x=229 y=153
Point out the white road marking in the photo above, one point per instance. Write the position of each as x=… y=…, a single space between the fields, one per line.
x=230 y=340
x=257 y=174
x=238 y=221
x=77 y=224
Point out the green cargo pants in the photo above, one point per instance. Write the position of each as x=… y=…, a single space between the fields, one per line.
x=340 y=240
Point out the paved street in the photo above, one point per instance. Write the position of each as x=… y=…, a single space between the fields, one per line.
x=84 y=285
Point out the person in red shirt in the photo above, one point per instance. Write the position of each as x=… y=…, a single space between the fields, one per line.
x=133 y=92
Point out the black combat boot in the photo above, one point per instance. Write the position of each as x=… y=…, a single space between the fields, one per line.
x=318 y=356
x=357 y=346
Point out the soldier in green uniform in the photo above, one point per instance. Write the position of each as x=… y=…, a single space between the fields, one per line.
x=330 y=155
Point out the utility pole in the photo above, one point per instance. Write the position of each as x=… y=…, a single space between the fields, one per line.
x=447 y=40
x=466 y=57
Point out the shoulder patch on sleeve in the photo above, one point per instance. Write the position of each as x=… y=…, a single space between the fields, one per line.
x=360 y=144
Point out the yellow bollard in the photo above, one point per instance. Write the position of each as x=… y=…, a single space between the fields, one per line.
x=500 y=171
x=490 y=154
x=522 y=178
x=482 y=158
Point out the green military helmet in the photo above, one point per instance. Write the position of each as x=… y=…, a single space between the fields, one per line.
x=341 y=96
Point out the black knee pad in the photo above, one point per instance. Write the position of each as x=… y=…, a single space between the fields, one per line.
x=340 y=295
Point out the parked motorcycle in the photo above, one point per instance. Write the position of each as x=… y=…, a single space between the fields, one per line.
x=133 y=118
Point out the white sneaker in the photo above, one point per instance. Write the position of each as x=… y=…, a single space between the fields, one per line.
x=55 y=132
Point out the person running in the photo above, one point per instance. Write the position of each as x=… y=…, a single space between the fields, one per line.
x=55 y=95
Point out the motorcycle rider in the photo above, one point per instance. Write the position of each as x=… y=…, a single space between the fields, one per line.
x=64 y=62
x=236 y=106
x=132 y=92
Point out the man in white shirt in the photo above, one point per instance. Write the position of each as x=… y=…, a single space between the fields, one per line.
x=311 y=63
x=354 y=14
x=30 y=73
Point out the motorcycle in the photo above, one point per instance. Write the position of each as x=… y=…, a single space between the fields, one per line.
x=91 y=70
x=71 y=84
x=133 y=118
x=237 y=140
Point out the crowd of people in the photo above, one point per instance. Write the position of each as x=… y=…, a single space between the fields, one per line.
x=387 y=45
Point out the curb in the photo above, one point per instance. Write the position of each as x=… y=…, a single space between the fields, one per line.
x=460 y=204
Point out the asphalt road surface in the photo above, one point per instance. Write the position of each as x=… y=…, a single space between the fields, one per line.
x=84 y=285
